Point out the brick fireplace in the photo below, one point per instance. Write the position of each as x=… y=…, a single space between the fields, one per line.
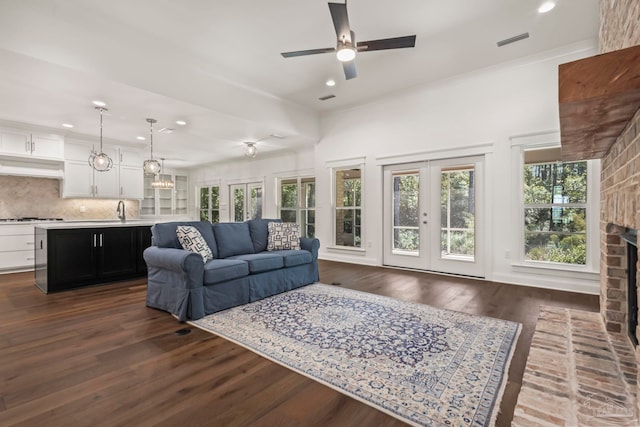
x=620 y=183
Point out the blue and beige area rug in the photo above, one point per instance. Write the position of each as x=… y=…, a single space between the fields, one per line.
x=423 y=365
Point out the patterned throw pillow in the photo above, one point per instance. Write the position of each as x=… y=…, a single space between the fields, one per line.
x=191 y=240
x=283 y=235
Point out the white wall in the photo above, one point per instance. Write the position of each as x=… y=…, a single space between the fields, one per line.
x=487 y=106
x=484 y=108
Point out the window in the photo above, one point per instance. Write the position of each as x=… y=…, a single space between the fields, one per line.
x=210 y=204
x=555 y=208
x=298 y=202
x=348 y=212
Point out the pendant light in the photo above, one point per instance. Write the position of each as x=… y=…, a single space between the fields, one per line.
x=101 y=161
x=160 y=183
x=151 y=166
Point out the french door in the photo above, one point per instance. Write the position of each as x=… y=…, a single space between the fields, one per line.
x=246 y=201
x=433 y=216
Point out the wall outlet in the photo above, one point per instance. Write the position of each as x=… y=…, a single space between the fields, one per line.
x=83 y=208
x=507 y=254
x=369 y=244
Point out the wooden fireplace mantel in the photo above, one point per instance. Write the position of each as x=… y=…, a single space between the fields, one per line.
x=598 y=96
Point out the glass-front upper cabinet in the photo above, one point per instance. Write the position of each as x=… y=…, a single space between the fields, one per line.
x=165 y=201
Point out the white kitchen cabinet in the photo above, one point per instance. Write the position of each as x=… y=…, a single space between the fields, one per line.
x=131 y=182
x=16 y=247
x=130 y=157
x=123 y=181
x=80 y=180
x=34 y=145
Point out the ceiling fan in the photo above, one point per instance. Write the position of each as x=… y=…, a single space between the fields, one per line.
x=347 y=47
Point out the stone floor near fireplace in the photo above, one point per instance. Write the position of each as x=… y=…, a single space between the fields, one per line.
x=577 y=373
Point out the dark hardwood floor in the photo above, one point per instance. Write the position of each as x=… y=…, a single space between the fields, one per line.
x=98 y=356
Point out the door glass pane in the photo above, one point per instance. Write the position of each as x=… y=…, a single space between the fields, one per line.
x=204 y=204
x=406 y=233
x=238 y=204
x=255 y=203
x=457 y=212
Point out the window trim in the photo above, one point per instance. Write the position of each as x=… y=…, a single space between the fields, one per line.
x=299 y=202
x=199 y=206
x=521 y=143
x=334 y=168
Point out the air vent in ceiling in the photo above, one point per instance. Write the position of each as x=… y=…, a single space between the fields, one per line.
x=166 y=130
x=513 y=39
x=324 y=98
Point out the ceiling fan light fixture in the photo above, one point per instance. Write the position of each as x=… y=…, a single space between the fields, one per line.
x=346 y=53
x=546 y=6
x=251 y=149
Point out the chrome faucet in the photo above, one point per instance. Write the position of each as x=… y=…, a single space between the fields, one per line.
x=121 y=214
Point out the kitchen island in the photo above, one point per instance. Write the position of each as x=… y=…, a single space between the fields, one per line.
x=75 y=254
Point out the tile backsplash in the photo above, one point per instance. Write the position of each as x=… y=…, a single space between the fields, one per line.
x=40 y=197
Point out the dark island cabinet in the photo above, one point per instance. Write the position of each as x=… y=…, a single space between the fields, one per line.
x=73 y=257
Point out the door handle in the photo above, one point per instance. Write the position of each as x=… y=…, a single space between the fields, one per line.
x=100 y=239
x=94 y=240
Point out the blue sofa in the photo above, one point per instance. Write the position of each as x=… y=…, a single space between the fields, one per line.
x=241 y=271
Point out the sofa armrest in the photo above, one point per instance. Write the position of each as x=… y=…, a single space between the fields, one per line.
x=310 y=244
x=188 y=264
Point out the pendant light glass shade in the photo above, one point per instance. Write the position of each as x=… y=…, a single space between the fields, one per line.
x=151 y=166
x=160 y=183
x=101 y=161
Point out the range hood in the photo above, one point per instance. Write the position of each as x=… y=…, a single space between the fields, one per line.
x=33 y=168
x=598 y=97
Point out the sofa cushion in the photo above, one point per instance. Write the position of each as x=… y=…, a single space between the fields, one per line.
x=165 y=236
x=233 y=238
x=261 y=262
x=283 y=236
x=295 y=257
x=191 y=240
x=260 y=233
x=221 y=270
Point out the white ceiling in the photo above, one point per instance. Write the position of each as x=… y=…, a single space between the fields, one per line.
x=217 y=64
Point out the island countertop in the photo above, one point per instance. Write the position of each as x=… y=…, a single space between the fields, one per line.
x=97 y=224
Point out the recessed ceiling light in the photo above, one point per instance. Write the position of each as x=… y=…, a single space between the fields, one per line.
x=99 y=103
x=140 y=138
x=546 y=6
x=330 y=82
x=67 y=125
x=181 y=122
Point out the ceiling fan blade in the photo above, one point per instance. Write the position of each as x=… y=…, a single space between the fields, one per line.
x=307 y=52
x=350 y=70
x=340 y=21
x=392 y=43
